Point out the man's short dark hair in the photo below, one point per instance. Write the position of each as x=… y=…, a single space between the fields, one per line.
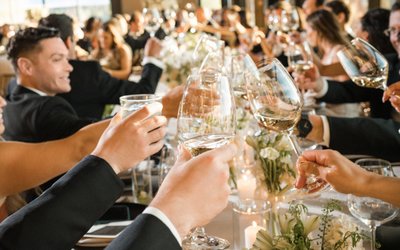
x=62 y=22
x=337 y=7
x=395 y=6
x=319 y=3
x=27 y=40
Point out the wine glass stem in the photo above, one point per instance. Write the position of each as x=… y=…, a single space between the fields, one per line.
x=373 y=236
x=295 y=145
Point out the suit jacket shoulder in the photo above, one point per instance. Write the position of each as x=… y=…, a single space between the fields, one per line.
x=145 y=232
x=30 y=117
x=92 y=88
x=59 y=217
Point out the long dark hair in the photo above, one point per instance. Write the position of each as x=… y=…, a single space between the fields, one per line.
x=374 y=22
x=326 y=25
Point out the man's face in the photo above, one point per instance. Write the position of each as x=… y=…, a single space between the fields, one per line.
x=2 y=105
x=394 y=26
x=138 y=24
x=309 y=6
x=50 y=67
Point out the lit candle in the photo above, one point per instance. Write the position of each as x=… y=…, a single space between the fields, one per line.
x=250 y=234
x=246 y=185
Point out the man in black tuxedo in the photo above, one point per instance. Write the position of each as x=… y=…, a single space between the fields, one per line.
x=34 y=113
x=60 y=217
x=91 y=87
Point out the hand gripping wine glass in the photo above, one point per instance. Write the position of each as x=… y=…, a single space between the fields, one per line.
x=206 y=120
x=276 y=104
x=364 y=64
x=372 y=212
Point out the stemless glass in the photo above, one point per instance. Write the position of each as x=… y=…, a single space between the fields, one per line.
x=364 y=64
x=142 y=190
x=153 y=20
x=206 y=120
x=371 y=211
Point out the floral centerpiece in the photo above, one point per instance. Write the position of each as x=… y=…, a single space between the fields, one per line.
x=275 y=174
x=300 y=231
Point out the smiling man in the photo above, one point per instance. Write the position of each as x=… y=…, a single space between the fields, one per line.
x=34 y=113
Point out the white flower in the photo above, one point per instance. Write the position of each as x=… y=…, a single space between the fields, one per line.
x=284 y=144
x=269 y=153
x=286 y=159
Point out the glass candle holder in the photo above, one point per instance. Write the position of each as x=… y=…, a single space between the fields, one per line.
x=249 y=216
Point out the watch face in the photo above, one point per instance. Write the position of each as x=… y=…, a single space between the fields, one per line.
x=304 y=126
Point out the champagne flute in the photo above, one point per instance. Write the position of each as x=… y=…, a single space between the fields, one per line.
x=153 y=20
x=206 y=120
x=364 y=64
x=371 y=211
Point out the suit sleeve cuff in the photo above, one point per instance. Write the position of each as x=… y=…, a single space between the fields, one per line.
x=162 y=217
x=323 y=83
x=326 y=135
x=153 y=60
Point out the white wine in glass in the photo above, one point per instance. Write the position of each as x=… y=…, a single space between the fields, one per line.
x=276 y=104
x=371 y=211
x=274 y=99
x=300 y=56
x=206 y=120
x=364 y=64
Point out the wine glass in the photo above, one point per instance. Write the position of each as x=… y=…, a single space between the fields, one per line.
x=371 y=211
x=274 y=21
x=276 y=104
x=364 y=64
x=153 y=20
x=241 y=64
x=204 y=46
x=206 y=120
x=274 y=99
x=300 y=56
x=290 y=20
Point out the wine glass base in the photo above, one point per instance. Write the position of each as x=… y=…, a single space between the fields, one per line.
x=197 y=242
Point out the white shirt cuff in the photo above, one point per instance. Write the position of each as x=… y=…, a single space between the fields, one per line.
x=324 y=89
x=153 y=60
x=327 y=135
x=162 y=217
